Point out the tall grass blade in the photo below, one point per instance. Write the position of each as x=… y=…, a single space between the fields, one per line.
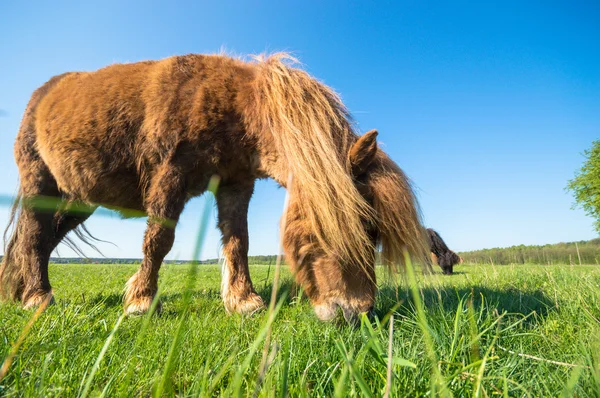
x=238 y=378
x=283 y=387
x=340 y=384
x=388 y=384
x=456 y=330
x=366 y=392
x=479 y=380
x=90 y=378
x=263 y=363
x=438 y=384
x=165 y=380
x=572 y=383
x=142 y=334
x=15 y=348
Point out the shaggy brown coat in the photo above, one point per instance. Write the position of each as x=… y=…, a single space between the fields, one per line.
x=148 y=136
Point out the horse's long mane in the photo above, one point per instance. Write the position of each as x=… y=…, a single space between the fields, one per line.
x=398 y=214
x=312 y=130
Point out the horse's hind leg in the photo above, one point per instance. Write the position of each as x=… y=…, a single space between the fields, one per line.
x=36 y=247
x=37 y=233
x=31 y=244
x=236 y=286
x=164 y=204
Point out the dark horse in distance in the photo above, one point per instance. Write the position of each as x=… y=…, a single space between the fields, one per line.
x=148 y=136
x=441 y=254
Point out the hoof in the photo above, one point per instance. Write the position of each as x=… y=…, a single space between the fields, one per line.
x=138 y=296
x=141 y=306
x=38 y=299
x=246 y=306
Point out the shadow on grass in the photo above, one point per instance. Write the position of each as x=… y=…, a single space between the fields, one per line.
x=107 y=300
x=286 y=285
x=512 y=301
x=171 y=301
x=443 y=299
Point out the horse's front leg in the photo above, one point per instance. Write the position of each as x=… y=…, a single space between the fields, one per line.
x=164 y=204
x=236 y=286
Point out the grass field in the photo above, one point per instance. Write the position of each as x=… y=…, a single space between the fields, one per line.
x=487 y=331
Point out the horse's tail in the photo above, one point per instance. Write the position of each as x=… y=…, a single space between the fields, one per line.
x=10 y=272
x=311 y=129
x=398 y=215
x=85 y=236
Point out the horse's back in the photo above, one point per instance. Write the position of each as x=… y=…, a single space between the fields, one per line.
x=88 y=105
x=85 y=127
x=101 y=133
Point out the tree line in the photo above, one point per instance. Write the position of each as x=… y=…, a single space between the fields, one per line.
x=559 y=253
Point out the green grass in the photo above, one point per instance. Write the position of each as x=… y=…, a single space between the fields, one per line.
x=477 y=322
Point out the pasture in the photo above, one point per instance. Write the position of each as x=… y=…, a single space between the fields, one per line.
x=486 y=331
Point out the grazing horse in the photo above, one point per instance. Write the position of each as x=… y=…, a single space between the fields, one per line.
x=441 y=254
x=149 y=136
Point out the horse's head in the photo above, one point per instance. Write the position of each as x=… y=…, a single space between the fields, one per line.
x=448 y=260
x=349 y=282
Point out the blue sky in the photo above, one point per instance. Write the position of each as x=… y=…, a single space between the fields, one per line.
x=487 y=107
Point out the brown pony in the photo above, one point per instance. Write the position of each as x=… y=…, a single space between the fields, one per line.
x=149 y=136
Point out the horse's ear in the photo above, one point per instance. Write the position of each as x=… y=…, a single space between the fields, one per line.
x=363 y=152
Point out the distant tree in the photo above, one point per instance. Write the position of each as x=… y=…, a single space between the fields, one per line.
x=586 y=184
